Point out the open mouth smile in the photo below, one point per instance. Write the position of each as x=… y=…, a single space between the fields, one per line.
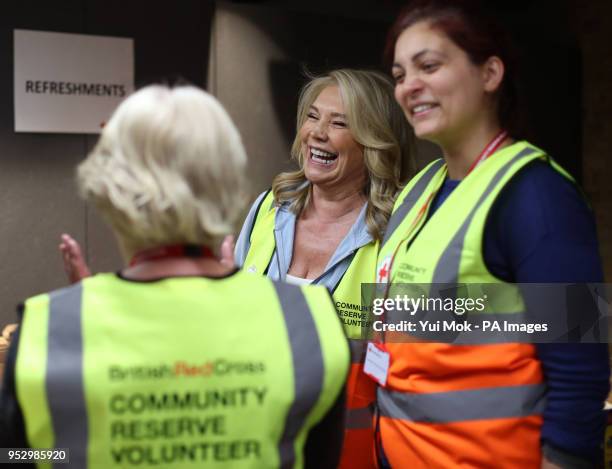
x=321 y=156
x=422 y=109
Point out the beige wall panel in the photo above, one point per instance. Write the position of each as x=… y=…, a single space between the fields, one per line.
x=247 y=42
x=241 y=56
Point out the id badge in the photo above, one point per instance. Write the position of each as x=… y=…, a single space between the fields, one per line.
x=376 y=364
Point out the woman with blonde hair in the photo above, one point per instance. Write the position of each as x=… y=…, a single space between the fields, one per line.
x=322 y=223
x=87 y=370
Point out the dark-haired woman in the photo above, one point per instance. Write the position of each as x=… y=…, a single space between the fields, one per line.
x=493 y=210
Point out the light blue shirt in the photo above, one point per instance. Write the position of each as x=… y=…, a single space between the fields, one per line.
x=284 y=233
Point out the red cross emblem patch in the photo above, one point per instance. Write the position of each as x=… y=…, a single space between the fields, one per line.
x=382 y=274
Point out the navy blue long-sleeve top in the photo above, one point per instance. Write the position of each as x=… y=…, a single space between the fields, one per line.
x=540 y=230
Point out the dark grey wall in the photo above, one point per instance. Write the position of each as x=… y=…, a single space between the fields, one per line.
x=324 y=34
x=37 y=193
x=258 y=52
x=260 y=49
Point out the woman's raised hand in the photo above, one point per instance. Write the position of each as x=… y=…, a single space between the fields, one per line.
x=227 y=251
x=74 y=262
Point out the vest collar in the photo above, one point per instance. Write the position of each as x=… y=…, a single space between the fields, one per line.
x=284 y=233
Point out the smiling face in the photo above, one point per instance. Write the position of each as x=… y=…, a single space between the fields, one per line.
x=332 y=157
x=443 y=94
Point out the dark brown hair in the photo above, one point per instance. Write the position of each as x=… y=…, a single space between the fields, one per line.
x=477 y=33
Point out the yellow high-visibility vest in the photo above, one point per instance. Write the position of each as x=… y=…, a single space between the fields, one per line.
x=181 y=372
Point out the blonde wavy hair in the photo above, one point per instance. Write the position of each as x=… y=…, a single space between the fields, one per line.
x=377 y=123
x=168 y=168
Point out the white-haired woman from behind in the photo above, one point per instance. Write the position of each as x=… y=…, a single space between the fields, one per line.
x=162 y=363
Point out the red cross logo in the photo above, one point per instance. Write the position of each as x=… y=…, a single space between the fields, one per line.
x=383 y=270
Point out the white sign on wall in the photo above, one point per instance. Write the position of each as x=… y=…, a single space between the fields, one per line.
x=69 y=83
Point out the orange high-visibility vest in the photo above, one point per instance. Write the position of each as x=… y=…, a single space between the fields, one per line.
x=448 y=405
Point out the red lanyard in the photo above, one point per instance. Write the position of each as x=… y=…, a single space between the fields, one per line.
x=165 y=252
x=491 y=148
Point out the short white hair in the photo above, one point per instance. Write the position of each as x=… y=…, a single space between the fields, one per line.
x=168 y=168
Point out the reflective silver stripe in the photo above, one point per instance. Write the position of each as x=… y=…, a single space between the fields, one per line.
x=447 y=270
x=308 y=366
x=64 y=378
x=461 y=406
x=411 y=198
x=358 y=348
x=359 y=419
